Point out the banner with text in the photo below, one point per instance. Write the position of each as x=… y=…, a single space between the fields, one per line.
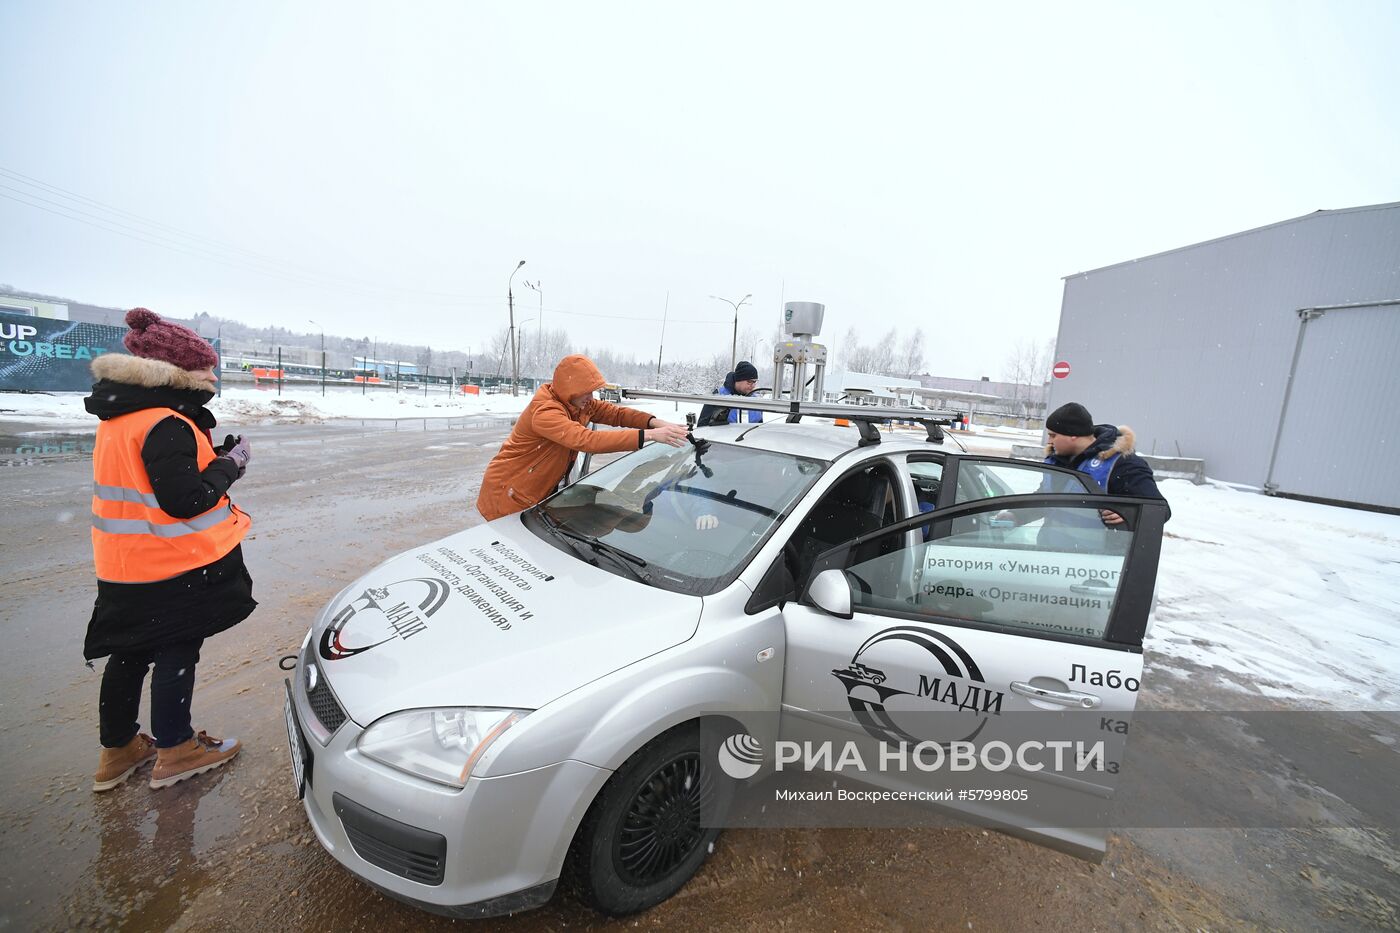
x=45 y=355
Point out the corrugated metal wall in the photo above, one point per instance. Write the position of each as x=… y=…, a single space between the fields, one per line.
x=1341 y=431
x=1192 y=348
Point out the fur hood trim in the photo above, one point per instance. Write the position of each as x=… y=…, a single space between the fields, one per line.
x=1125 y=444
x=150 y=374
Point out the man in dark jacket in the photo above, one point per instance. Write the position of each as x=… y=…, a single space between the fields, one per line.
x=166 y=544
x=742 y=381
x=1103 y=451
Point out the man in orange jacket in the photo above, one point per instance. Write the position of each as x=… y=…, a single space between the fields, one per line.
x=551 y=432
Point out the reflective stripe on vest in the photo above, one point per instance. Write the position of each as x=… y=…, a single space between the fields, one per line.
x=136 y=526
x=133 y=539
x=123 y=494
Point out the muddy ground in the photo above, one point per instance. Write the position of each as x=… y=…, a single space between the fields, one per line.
x=233 y=851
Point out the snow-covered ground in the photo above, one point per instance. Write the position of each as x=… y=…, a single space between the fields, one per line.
x=1289 y=600
x=241 y=405
x=1300 y=601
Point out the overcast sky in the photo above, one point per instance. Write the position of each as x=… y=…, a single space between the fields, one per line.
x=381 y=168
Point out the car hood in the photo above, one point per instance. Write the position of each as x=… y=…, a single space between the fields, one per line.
x=492 y=616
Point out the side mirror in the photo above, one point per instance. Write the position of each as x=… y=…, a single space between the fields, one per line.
x=831 y=593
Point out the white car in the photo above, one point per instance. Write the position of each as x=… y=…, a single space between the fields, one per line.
x=523 y=701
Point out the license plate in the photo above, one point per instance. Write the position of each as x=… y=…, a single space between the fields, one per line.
x=295 y=744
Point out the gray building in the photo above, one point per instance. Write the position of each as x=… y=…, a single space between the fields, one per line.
x=1272 y=354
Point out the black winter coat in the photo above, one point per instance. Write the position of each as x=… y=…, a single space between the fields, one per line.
x=1131 y=476
x=138 y=617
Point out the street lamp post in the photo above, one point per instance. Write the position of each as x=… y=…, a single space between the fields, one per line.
x=522 y=327
x=323 y=357
x=539 y=288
x=661 y=347
x=514 y=359
x=734 y=346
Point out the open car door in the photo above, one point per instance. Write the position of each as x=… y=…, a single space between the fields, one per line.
x=961 y=626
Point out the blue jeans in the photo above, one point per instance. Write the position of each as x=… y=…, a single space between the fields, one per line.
x=172 y=686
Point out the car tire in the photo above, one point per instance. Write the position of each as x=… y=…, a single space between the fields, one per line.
x=641 y=839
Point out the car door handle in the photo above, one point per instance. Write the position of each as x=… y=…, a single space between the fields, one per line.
x=1066 y=697
x=1092 y=589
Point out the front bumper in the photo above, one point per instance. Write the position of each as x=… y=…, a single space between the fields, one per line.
x=496 y=846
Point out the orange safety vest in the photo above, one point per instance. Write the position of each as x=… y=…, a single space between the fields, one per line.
x=133 y=541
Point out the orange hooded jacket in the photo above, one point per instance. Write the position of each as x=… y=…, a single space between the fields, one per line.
x=550 y=433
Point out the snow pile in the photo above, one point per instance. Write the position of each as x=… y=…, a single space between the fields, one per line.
x=303 y=405
x=55 y=410
x=256 y=406
x=1295 y=600
x=247 y=406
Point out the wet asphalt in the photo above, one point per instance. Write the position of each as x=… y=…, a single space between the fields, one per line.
x=232 y=850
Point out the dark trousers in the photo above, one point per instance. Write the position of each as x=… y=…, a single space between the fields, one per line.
x=172 y=686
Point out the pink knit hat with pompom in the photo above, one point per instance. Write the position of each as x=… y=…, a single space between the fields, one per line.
x=154 y=338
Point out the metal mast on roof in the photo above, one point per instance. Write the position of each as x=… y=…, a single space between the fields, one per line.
x=802 y=320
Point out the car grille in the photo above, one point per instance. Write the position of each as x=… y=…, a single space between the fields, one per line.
x=403 y=850
x=323 y=702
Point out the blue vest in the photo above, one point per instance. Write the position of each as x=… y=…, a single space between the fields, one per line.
x=754 y=416
x=1100 y=470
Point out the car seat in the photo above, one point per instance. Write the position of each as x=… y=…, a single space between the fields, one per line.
x=860 y=503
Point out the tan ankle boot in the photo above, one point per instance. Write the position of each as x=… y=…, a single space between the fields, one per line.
x=201 y=753
x=117 y=764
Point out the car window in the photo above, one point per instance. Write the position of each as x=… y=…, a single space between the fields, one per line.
x=1059 y=573
x=981 y=480
x=694 y=519
x=927 y=479
x=859 y=502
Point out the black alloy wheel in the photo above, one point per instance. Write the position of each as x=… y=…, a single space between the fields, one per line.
x=662 y=826
x=643 y=837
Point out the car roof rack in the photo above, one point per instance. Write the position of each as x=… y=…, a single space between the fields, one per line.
x=865 y=417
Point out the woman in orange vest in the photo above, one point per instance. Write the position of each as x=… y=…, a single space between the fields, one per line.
x=553 y=429
x=165 y=541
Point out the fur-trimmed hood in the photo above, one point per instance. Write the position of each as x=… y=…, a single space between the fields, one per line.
x=131 y=383
x=1108 y=440
x=149 y=374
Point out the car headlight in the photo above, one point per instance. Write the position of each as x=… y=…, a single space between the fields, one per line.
x=441 y=745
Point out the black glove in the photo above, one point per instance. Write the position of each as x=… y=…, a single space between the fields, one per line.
x=227 y=445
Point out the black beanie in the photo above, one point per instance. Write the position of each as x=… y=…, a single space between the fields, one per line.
x=1072 y=420
x=745 y=370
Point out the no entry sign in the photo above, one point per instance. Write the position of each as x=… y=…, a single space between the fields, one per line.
x=1061 y=369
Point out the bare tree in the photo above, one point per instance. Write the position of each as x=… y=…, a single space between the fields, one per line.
x=1045 y=359
x=911 y=355
x=1026 y=367
x=1020 y=364
x=500 y=350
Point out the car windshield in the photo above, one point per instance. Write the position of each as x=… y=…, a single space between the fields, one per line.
x=694 y=519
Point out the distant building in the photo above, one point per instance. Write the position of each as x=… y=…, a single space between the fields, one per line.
x=385 y=369
x=867 y=387
x=1271 y=354
x=18 y=304
x=1011 y=400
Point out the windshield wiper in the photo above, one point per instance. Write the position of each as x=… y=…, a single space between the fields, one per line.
x=621 y=558
x=552 y=525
